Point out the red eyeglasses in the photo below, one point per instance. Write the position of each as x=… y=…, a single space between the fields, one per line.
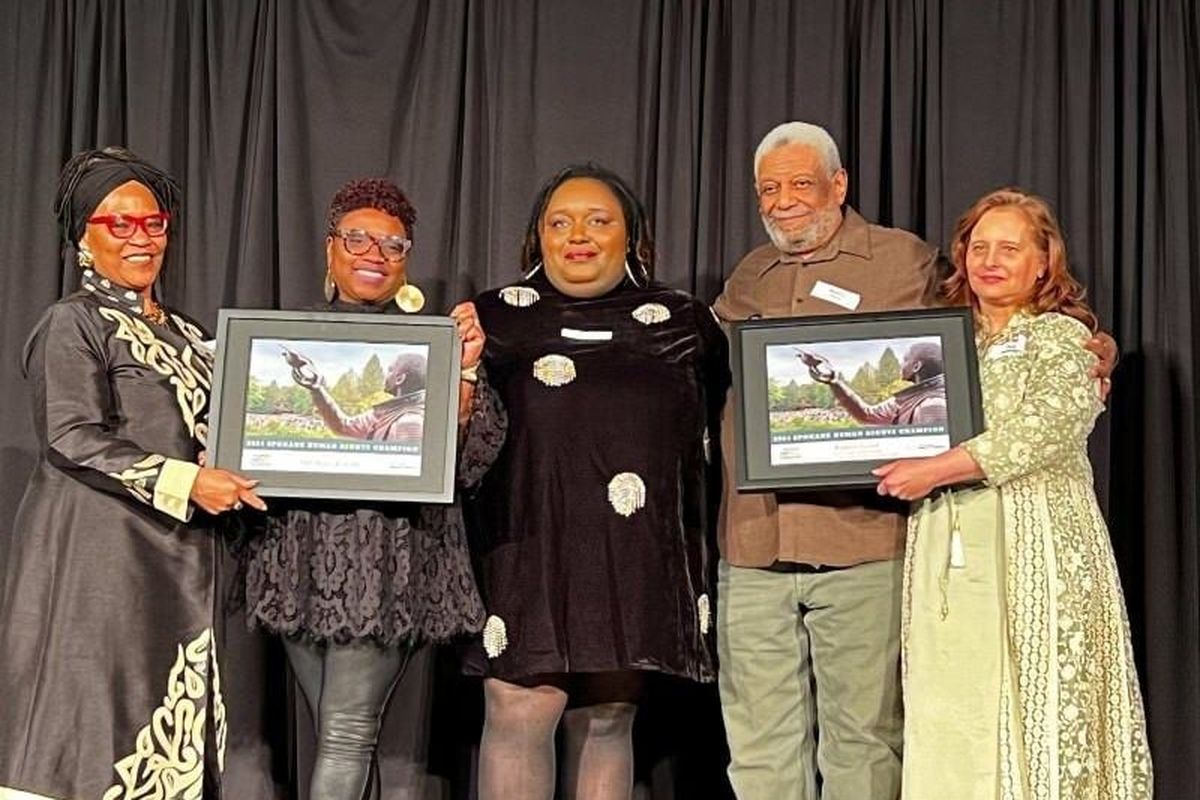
x=124 y=226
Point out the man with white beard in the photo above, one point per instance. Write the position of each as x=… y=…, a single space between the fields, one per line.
x=808 y=619
x=808 y=614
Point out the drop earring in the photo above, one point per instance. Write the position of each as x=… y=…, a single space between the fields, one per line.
x=410 y=298
x=84 y=257
x=330 y=287
x=629 y=272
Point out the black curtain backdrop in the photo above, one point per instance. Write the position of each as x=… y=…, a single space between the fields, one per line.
x=264 y=107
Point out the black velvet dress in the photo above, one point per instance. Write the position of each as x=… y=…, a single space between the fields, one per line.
x=109 y=680
x=593 y=538
x=345 y=571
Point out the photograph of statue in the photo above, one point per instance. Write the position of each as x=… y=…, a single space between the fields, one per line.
x=856 y=400
x=320 y=405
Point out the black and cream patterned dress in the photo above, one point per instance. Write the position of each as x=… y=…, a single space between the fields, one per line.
x=595 y=525
x=347 y=571
x=109 y=680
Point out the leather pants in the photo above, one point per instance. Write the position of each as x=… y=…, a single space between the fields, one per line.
x=347 y=688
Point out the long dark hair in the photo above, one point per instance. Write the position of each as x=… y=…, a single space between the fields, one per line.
x=639 y=242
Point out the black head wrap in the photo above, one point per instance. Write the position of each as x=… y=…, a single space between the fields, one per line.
x=90 y=175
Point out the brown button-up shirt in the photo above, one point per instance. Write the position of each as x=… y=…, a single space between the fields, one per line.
x=889 y=269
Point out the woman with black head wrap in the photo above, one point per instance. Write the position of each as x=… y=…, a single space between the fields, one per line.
x=111 y=687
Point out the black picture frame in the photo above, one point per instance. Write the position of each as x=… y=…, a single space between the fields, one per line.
x=771 y=456
x=376 y=464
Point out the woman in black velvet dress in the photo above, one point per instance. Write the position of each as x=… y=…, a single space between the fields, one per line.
x=110 y=685
x=354 y=587
x=593 y=540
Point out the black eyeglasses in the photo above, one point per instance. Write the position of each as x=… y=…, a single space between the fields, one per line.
x=357 y=242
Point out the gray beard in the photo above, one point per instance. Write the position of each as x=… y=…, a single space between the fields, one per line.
x=808 y=238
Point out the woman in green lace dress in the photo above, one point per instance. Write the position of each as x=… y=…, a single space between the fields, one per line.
x=1019 y=681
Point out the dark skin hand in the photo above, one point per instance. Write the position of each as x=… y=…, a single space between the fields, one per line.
x=1105 y=349
x=219 y=490
x=473 y=339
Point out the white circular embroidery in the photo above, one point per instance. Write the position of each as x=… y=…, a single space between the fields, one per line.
x=520 y=296
x=554 y=370
x=495 y=636
x=651 y=313
x=626 y=493
x=703 y=613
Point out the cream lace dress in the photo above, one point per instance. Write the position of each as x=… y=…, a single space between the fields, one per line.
x=1019 y=680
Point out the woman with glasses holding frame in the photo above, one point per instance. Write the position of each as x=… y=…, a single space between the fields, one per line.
x=355 y=587
x=111 y=684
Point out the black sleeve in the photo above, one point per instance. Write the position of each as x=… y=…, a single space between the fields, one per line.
x=484 y=433
x=66 y=361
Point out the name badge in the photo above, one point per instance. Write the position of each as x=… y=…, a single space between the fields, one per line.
x=835 y=294
x=1013 y=347
x=586 y=336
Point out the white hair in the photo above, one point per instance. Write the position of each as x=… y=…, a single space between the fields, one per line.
x=814 y=136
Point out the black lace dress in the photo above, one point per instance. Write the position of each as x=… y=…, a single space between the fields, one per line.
x=345 y=571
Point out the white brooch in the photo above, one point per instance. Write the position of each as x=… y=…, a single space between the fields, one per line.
x=703 y=613
x=651 y=313
x=495 y=636
x=554 y=370
x=520 y=296
x=626 y=493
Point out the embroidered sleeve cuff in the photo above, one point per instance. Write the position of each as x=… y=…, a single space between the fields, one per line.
x=174 y=486
x=980 y=449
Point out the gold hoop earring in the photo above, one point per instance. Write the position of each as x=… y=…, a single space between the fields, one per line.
x=330 y=287
x=410 y=298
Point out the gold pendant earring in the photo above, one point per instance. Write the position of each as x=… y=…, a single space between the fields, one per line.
x=330 y=287
x=410 y=298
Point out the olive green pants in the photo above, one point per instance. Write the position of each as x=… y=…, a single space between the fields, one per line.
x=810 y=681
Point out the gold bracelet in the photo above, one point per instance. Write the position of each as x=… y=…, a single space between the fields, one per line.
x=470 y=374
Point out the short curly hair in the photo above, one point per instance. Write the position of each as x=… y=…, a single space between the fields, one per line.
x=378 y=193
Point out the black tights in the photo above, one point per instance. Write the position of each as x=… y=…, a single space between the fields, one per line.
x=516 y=755
x=347 y=688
